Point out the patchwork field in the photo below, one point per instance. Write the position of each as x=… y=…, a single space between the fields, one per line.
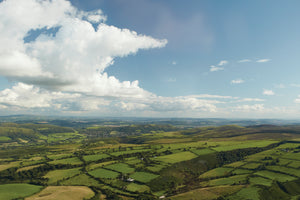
x=183 y=164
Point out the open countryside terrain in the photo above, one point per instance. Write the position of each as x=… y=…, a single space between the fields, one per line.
x=43 y=161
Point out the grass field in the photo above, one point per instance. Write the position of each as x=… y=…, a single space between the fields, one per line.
x=4 y=139
x=176 y=157
x=217 y=172
x=119 y=153
x=98 y=165
x=251 y=165
x=28 y=168
x=294 y=164
x=241 y=171
x=59 y=156
x=120 y=167
x=104 y=173
x=207 y=193
x=275 y=176
x=82 y=179
x=236 y=164
x=58 y=175
x=286 y=170
x=71 y=161
x=246 y=193
x=238 y=179
x=9 y=165
x=57 y=137
x=63 y=193
x=143 y=177
x=200 y=152
x=133 y=161
x=260 y=181
x=133 y=187
x=156 y=168
x=242 y=145
x=95 y=157
x=16 y=191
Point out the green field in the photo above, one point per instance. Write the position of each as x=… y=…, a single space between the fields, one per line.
x=17 y=191
x=238 y=179
x=176 y=157
x=120 y=167
x=217 y=172
x=260 y=181
x=156 y=168
x=251 y=165
x=146 y=161
x=57 y=175
x=275 y=176
x=238 y=145
x=119 y=153
x=247 y=193
x=285 y=170
x=90 y=158
x=4 y=139
x=241 y=171
x=203 y=151
x=133 y=187
x=143 y=177
x=81 y=179
x=104 y=173
x=71 y=161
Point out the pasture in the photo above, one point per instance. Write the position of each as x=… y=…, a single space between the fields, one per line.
x=17 y=191
x=71 y=161
x=96 y=157
x=57 y=175
x=63 y=192
x=120 y=167
x=133 y=187
x=143 y=177
x=176 y=157
x=104 y=173
x=275 y=176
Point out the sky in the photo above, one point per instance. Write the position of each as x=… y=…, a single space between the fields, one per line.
x=150 y=58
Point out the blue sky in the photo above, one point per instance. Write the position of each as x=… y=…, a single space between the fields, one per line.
x=168 y=58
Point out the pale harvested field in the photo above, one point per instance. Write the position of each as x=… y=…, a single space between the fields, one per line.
x=63 y=193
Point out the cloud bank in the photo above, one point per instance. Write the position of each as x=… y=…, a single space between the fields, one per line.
x=57 y=56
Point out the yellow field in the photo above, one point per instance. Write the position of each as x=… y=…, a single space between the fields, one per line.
x=63 y=193
x=9 y=165
x=28 y=168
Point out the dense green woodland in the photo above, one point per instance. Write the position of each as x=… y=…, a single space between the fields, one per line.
x=149 y=161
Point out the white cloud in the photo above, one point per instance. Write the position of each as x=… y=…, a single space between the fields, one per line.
x=223 y=62
x=250 y=108
x=174 y=63
x=237 y=81
x=215 y=69
x=297 y=100
x=268 y=92
x=75 y=57
x=27 y=96
x=211 y=96
x=250 y=100
x=263 y=60
x=244 y=61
